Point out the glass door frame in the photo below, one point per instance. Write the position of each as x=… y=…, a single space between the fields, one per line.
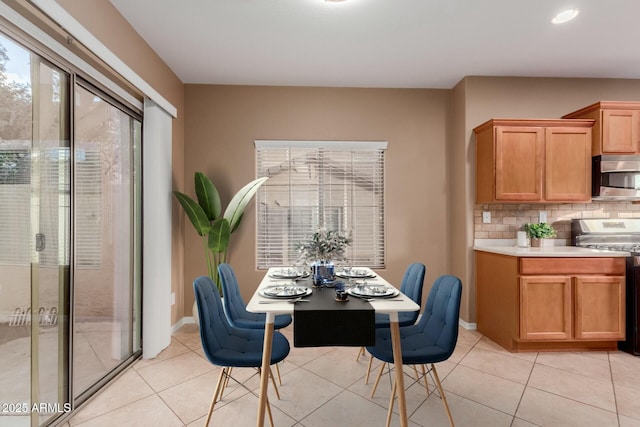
x=135 y=261
x=21 y=37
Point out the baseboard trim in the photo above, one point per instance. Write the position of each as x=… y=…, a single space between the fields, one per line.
x=468 y=326
x=180 y=323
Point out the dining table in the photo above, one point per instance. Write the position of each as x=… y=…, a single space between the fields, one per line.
x=392 y=302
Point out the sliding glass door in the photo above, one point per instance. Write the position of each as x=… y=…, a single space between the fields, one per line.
x=70 y=194
x=105 y=284
x=35 y=216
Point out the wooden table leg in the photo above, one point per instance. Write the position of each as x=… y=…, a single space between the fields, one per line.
x=264 y=372
x=397 y=360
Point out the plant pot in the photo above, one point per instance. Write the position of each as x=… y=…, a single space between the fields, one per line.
x=194 y=313
x=541 y=242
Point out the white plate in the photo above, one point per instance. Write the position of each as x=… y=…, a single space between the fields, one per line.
x=288 y=273
x=356 y=274
x=285 y=291
x=373 y=291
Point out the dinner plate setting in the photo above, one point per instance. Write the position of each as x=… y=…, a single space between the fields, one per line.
x=373 y=291
x=288 y=273
x=285 y=291
x=355 y=273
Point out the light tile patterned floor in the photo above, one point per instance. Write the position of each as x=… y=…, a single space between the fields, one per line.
x=485 y=386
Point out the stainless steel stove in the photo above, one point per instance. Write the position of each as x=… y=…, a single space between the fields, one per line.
x=622 y=234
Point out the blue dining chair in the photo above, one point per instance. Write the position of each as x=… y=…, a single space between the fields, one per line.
x=431 y=340
x=411 y=286
x=236 y=309
x=227 y=346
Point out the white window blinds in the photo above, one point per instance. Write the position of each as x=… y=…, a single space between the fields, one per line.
x=15 y=189
x=334 y=184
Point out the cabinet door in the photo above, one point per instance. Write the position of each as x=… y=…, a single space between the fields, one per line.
x=599 y=308
x=620 y=131
x=567 y=164
x=519 y=163
x=545 y=307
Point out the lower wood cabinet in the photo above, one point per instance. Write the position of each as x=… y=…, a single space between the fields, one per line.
x=565 y=308
x=537 y=304
x=545 y=308
x=599 y=308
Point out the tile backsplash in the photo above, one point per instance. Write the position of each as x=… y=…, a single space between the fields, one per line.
x=507 y=219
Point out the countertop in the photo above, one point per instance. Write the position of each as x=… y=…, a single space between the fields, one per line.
x=551 y=251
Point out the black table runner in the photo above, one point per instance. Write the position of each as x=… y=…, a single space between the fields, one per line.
x=323 y=321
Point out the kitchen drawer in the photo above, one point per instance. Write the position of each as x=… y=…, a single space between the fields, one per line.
x=573 y=266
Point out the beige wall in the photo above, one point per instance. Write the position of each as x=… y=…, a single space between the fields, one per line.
x=430 y=161
x=513 y=97
x=459 y=198
x=223 y=121
x=106 y=24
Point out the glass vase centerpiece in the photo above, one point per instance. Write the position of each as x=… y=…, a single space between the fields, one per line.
x=321 y=250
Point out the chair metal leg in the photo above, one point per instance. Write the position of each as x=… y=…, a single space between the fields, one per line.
x=278 y=372
x=391 y=401
x=366 y=380
x=441 y=390
x=273 y=381
x=221 y=378
x=360 y=353
x=375 y=385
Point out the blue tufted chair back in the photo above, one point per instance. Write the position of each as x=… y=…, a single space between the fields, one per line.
x=234 y=304
x=439 y=322
x=214 y=327
x=411 y=286
x=236 y=308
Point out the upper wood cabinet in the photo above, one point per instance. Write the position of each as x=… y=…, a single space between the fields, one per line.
x=519 y=160
x=616 y=129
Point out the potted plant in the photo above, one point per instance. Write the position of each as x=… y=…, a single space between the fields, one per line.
x=321 y=249
x=538 y=232
x=211 y=225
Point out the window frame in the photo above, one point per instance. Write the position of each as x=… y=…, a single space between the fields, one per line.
x=366 y=223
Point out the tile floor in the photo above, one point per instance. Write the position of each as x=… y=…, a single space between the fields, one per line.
x=485 y=386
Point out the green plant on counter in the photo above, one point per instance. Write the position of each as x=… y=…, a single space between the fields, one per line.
x=205 y=216
x=541 y=230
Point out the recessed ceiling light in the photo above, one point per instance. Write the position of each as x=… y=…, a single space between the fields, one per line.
x=565 y=16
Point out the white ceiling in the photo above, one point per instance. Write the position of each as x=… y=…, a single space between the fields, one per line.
x=386 y=43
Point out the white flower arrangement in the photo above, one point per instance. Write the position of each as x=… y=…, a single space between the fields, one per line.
x=324 y=245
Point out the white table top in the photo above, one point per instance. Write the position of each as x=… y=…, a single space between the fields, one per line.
x=380 y=305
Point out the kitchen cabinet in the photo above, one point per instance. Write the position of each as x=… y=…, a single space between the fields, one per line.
x=554 y=303
x=616 y=129
x=520 y=160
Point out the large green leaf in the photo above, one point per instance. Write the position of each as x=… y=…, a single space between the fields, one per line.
x=208 y=197
x=219 y=235
x=239 y=202
x=194 y=212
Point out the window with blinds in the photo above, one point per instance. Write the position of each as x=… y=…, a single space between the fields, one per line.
x=88 y=213
x=334 y=184
x=15 y=187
